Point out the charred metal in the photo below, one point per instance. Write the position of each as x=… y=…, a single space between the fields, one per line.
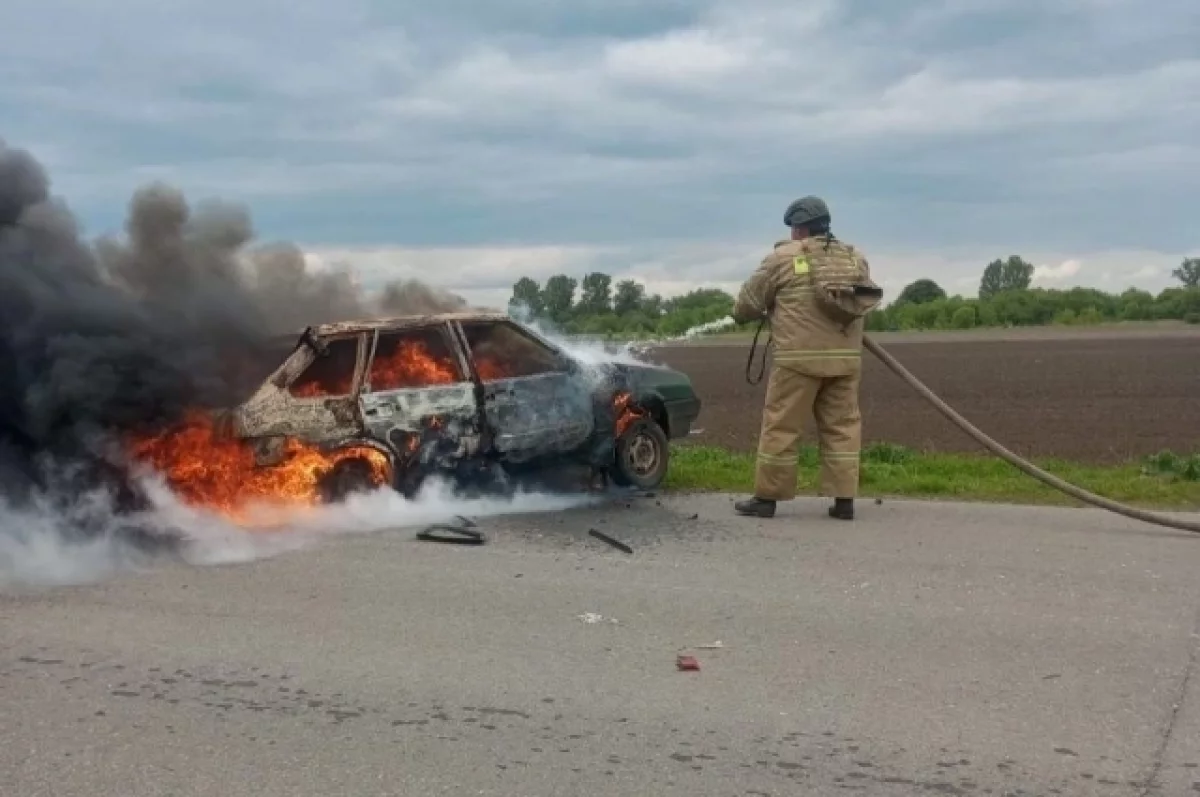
x=475 y=396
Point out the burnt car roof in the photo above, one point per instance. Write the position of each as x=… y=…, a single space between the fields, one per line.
x=407 y=322
x=392 y=322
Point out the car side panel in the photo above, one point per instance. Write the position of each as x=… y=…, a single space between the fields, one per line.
x=396 y=416
x=540 y=415
x=448 y=411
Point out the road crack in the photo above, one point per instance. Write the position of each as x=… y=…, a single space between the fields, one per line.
x=1151 y=784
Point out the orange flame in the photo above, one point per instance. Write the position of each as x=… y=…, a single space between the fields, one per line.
x=219 y=473
x=408 y=364
x=489 y=371
x=317 y=389
x=627 y=412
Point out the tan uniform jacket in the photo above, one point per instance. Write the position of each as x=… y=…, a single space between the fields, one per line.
x=804 y=339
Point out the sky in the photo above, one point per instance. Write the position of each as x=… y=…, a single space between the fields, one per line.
x=469 y=143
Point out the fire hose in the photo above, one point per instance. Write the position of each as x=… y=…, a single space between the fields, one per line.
x=1021 y=464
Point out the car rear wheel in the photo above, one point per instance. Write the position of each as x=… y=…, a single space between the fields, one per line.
x=643 y=455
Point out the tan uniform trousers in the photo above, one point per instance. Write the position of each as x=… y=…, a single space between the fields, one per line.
x=792 y=397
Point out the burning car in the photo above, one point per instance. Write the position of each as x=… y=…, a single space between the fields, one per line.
x=475 y=396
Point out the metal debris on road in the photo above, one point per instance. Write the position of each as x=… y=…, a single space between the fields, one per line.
x=687 y=664
x=718 y=645
x=610 y=540
x=452 y=535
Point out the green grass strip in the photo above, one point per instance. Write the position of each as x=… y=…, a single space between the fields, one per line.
x=1165 y=481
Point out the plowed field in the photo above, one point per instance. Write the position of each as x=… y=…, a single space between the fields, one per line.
x=1087 y=397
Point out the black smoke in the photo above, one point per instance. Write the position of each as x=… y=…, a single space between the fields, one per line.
x=103 y=338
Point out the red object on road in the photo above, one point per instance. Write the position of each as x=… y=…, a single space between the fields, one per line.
x=687 y=663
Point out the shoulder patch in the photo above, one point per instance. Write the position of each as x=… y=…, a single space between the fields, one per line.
x=800 y=264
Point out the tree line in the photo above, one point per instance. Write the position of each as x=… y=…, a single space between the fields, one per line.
x=1006 y=299
x=594 y=306
x=621 y=311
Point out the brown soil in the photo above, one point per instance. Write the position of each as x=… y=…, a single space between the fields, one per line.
x=1072 y=397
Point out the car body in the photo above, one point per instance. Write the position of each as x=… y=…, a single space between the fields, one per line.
x=466 y=393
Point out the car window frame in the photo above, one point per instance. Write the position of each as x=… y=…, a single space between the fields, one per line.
x=441 y=328
x=309 y=355
x=568 y=364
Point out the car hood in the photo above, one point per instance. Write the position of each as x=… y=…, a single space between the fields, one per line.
x=666 y=382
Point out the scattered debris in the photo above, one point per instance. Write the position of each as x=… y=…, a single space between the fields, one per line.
x=687 y=664
x=463 y=534
x=718 y=645
x=591 y=618
x=610 y=540
x=878 y=502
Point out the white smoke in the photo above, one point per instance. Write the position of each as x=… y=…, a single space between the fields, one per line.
x=42 y=546
x=593 y=353
x=278 y=530
x=637 y=352
x=707 y=329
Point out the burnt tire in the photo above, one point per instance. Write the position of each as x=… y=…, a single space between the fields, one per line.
x=350 y=476
x=643 y=455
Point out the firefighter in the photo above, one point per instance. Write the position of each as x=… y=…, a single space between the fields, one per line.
x=816 y=363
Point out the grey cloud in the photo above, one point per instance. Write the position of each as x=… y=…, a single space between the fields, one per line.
x=928 y=125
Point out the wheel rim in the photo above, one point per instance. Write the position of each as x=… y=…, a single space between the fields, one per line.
x=642 y=454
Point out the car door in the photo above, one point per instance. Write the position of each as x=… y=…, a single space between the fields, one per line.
x=535 y=399
x=417 y=386
x=311 y=396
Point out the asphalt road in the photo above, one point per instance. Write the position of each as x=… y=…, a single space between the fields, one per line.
x=926 y=649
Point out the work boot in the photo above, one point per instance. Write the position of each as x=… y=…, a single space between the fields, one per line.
x=756 y=507
x=842 y=509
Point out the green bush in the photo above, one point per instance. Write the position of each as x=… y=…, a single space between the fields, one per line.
x=1174 y=466
x=1038 y=306
x=963 y=318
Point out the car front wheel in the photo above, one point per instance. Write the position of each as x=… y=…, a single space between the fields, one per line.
x=643 y=454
